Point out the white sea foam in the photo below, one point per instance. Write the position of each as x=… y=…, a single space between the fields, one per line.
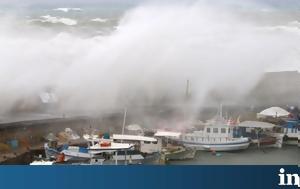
x=54 y=20
x=102 y=20
x=292 y=27
x=294 y=23
x=67 y=9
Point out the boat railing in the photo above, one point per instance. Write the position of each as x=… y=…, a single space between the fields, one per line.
x=208 y=139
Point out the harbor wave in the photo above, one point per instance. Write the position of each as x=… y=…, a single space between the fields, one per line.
x=294 y=23
x=291 y=27
x=102 y=20
x=144 y=59
x=67 y=9
x=55 y=20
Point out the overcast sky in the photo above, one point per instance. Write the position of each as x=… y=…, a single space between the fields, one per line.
x=272 y=3
x=15 y=2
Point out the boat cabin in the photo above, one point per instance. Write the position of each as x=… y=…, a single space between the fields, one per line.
x=292 y=128
x=257 y=129
x=167 y=137
x=208 y=134
x=143 y=144
x=262 y=133
x=214 y=131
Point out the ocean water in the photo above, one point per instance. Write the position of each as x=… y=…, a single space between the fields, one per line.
x=85 y=21
x=288 y=155
x=98 y=19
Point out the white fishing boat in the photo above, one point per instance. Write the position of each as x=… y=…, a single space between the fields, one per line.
x=148 y=147
x=216 y=135
x=214 y=138
x=145 y=149
x=114 y=152
x=98 y=147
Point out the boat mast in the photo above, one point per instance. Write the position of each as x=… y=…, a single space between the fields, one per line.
x=187 y=90
x=186 y=100
x=124 y=122
x=221 y=110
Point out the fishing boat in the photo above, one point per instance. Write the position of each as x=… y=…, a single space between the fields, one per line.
x=261 y=133
x=71 y=153
x=148 y=147
x=171 y=153
x=216 y=135
x=292 y=132
x=289 y=121
x=114 y=152
x=171 y=150
x=214 y=138
x=98 y=150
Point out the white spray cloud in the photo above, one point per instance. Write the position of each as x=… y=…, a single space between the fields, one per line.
x=155 y=49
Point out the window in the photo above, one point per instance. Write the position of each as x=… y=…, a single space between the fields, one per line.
x=146 y=142
x=192 y=138
x=215 y=130
x=155 y=142
x=228 y=130
x=223 y=130
x=208 y=130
